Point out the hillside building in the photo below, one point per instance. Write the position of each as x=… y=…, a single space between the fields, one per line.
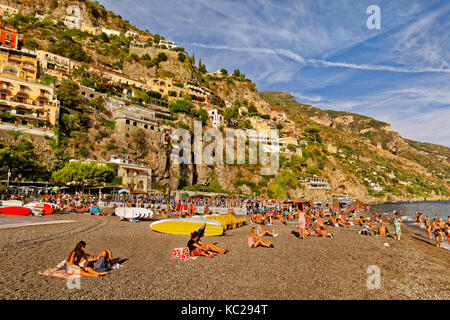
x=18 y=64
x=315 y=183
x=8 y=37
x=73 y=17
x=168 y=44
x=54 y=64
x=136 y=175
x=216 y=118
x=28 y=105
x=7 y=10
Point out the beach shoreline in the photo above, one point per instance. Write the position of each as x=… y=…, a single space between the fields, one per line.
x=314 y=268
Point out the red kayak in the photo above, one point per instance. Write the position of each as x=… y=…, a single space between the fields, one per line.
x=15 y=211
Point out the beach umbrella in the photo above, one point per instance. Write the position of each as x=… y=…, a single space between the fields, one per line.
x=124 y=191
x=55 y=188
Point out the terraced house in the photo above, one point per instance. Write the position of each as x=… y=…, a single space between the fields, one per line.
x=24 y=104
x=18 y=64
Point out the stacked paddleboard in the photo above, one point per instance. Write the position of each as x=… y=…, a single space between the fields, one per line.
x=228 y=220
x=188 y=225
x=133 y=213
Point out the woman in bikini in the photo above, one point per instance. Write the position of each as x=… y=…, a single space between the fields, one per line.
x=196 y=249
x=261 y=232
x=211 y=247
x=254 y=240
x=79 y=262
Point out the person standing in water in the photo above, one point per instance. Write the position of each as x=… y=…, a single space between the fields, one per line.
x=397 y=226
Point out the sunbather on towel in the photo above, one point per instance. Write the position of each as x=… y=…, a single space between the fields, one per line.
x=196 y=249
x=79 y=262
x=211 y=246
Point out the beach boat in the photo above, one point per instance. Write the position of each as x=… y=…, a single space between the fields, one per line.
x=15 y=211
x=188 y=225
x=41 y=207
x=133 y=213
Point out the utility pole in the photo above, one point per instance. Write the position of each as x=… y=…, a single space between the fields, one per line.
x=9 y=176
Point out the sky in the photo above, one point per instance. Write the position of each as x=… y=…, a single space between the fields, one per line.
x=322 y=52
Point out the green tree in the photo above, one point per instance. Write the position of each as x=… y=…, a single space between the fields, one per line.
x=68 y=94
x=180 y=106
x=84 y=174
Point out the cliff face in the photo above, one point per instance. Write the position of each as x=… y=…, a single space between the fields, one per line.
x=172 y=68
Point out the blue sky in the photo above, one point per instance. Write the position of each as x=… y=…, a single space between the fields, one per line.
x=322 y=52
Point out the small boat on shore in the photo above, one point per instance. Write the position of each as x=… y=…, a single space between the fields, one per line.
x=15 y=211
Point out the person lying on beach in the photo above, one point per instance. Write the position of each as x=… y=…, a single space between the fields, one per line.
x=81 y=263
x=254 y=240
x=261 y=232
x=323 y=233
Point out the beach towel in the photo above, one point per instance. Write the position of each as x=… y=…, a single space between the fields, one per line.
x=55 y=272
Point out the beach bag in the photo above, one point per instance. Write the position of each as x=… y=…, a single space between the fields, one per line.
x=102 y=265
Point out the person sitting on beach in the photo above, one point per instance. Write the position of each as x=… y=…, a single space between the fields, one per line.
x=323 y=233
x=196 y=249
x=211 y=247
x=254 y=240
x=79 y=262
x=261 y=232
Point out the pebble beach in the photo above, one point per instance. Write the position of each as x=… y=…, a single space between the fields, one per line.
x=314 y=268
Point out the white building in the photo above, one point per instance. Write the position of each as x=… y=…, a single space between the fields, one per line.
x=110 y=32
x=168 y=44
x=317 y=183
x=131 y=34
x=7 y=11
x=216 y=118
x=73 y=17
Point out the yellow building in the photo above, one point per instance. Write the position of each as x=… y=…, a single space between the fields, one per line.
x=137 y=176
x=260 y=125
x=165 y=86
x=54 y=64
x=27 y=104
x=18 y=64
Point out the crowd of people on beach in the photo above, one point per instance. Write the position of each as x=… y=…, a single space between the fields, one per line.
x=438 y=228
x=310 y=221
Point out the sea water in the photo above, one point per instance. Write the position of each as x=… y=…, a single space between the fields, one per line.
x=432 y=209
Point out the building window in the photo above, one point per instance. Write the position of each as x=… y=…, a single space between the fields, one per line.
x=153 y=128
x=127 y=121
x=134 y=123
x=145 y=126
